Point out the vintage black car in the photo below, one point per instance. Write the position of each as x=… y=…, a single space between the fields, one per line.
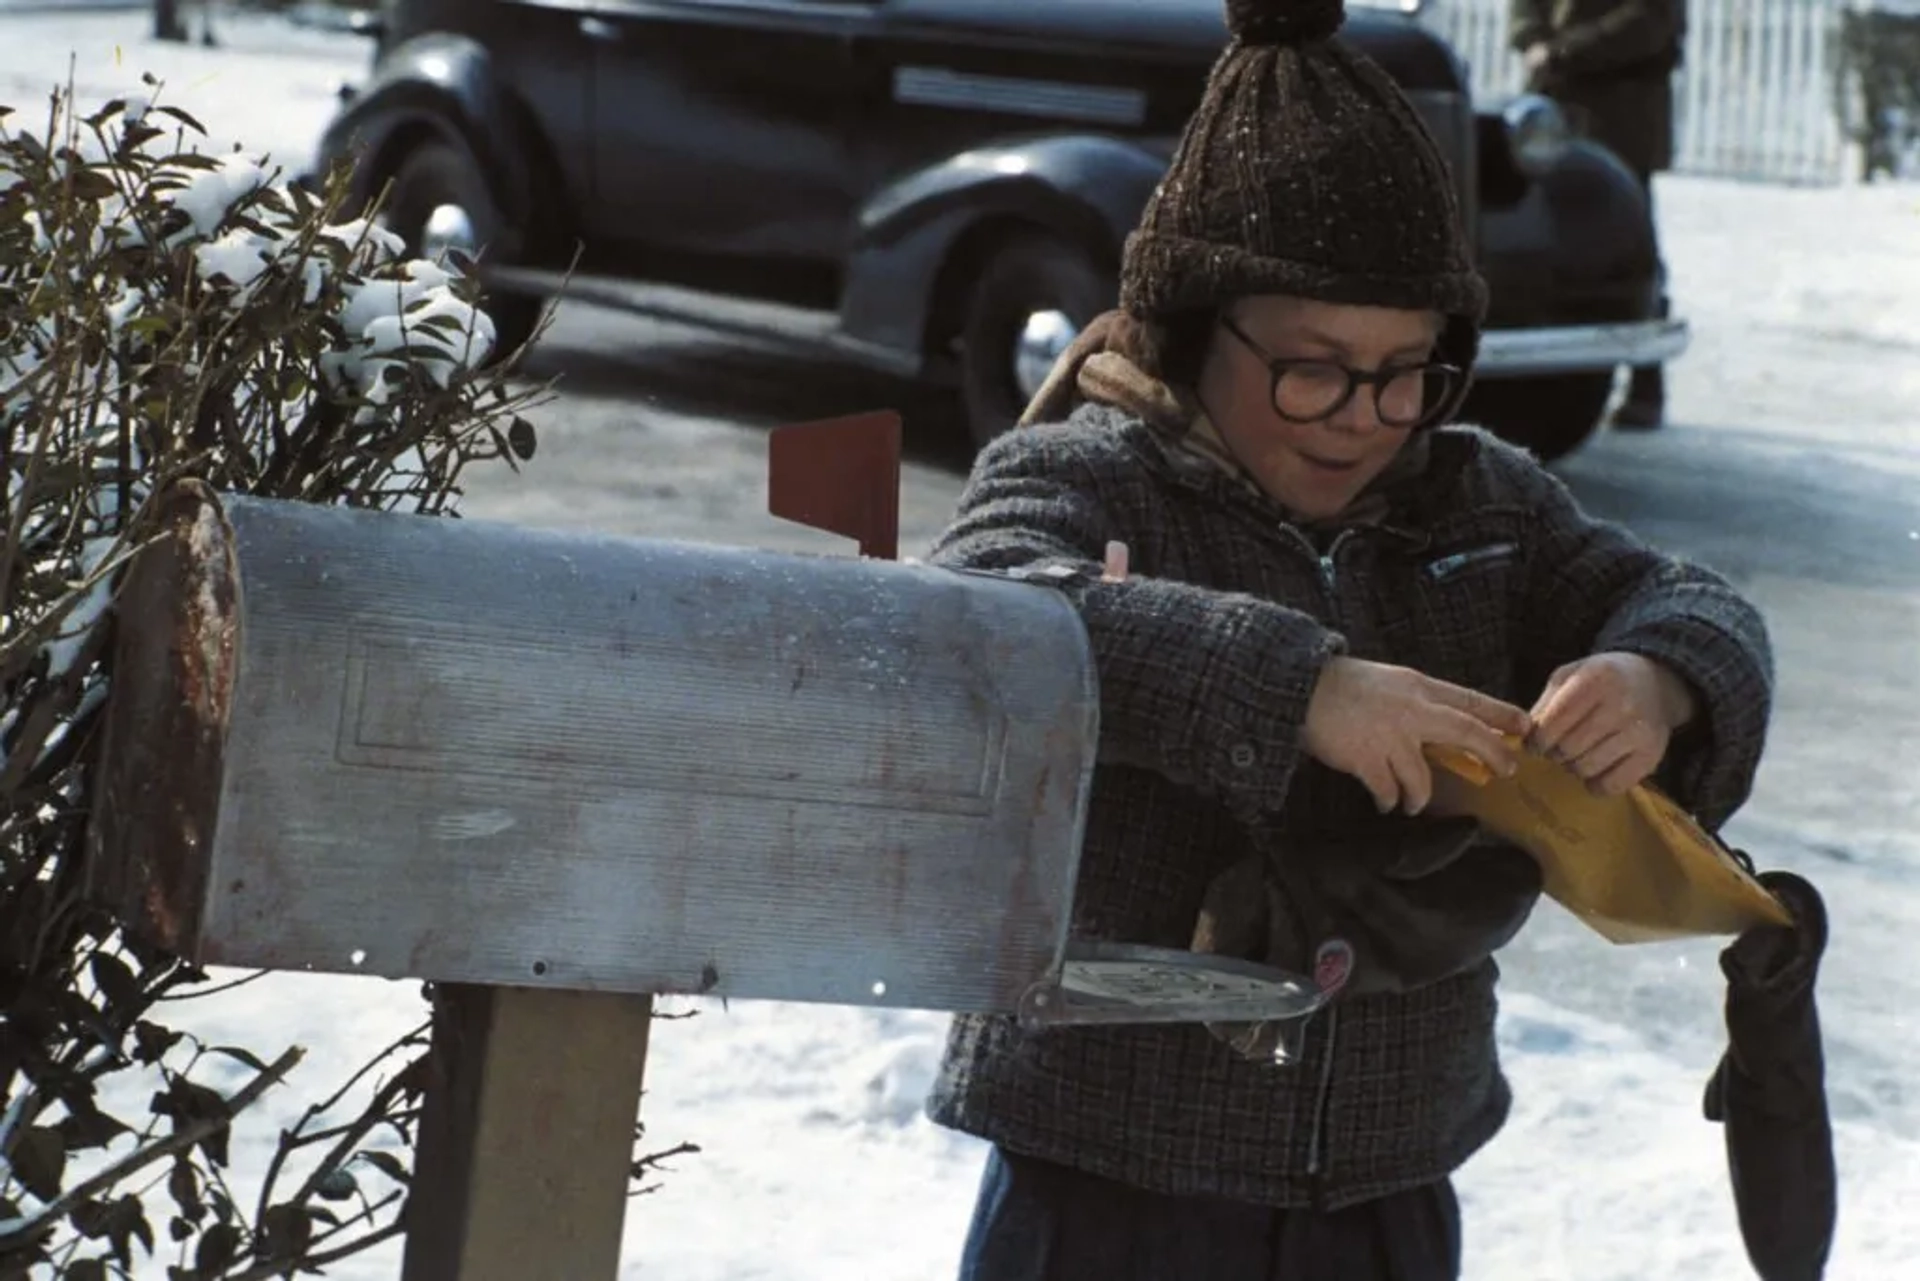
x=939 y=188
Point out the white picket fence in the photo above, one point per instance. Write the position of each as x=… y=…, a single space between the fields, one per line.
x=1756 y=98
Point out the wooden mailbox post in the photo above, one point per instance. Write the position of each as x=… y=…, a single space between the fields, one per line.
x=556 y=774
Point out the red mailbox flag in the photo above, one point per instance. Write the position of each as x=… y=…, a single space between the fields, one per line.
x=841 y=475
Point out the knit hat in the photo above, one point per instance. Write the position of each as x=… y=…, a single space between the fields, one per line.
x=1305 y=171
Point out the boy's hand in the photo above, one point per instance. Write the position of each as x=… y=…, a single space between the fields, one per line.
x=1609 y=719
x=1375 y=721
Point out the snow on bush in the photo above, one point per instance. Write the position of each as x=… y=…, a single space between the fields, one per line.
x=167 y=314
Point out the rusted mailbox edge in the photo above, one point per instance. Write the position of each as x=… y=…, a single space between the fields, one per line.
x=158 y=798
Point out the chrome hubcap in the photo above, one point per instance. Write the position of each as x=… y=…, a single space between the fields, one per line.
x=1042 y=341
x=448 y=227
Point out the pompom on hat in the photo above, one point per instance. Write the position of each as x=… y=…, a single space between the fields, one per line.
x=1305 y=171
x=1265 y=22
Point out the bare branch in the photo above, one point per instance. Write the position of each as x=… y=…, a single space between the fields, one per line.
x=196 y=994
x=657 y=1161
x=25 y=1226
x=292 y=1139
x=343 y=1147
x=313 y=1262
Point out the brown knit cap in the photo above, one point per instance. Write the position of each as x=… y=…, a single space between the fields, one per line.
x=1305 y=171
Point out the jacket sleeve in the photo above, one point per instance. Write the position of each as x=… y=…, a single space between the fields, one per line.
x=1208 y=688
x=1628 y=34
x=1528 y=24
x=1594 y=587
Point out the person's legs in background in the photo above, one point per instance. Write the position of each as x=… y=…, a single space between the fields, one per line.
x=1645 y=406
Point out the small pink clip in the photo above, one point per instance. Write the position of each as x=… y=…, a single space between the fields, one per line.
x=1116 y=571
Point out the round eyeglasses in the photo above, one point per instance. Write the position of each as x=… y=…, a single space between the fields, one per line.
x=1312 y=390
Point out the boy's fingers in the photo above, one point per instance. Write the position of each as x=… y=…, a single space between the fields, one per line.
x=1564 y=713
x=1474 y=736
x=1622 y=777
x=1593 y=762
x=1554 y=682
x=1379 y=782
x=1591 y=734
x=1415 y=779
x=1487 y=709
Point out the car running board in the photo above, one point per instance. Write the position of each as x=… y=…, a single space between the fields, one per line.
x=798 y=331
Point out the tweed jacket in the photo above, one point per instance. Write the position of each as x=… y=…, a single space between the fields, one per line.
x=1484 y=572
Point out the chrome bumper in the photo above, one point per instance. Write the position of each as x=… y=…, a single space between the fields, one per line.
x=1567 y=349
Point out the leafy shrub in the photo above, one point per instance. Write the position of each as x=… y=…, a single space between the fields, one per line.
x=167 y=314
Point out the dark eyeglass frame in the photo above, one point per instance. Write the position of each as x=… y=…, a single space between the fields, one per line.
x=1277 y=367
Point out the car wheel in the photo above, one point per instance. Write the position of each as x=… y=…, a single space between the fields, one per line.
x=440 y=202
x=1034 y=297
x=1550 y=416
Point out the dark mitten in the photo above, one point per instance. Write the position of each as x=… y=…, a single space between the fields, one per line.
x=1409 y=932
x=1416 y=900
x=1245 y=916
x=1770 y=1090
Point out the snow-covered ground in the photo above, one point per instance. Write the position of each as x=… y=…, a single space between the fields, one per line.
x=267 y=84
x=816 y=1162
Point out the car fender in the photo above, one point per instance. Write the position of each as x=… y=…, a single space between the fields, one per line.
x=443 y=86
x=919 y=236
x=1580 y=238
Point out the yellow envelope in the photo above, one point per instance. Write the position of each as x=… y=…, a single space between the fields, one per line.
x=1636 y=868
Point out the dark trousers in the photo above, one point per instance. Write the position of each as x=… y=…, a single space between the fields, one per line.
x=1648 y=387
x=1036 y=1221
x=1646 y=186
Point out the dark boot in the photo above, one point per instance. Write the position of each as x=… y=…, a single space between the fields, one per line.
x=1646 y=404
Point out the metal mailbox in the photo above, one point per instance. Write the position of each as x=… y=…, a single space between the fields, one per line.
x=408 y=746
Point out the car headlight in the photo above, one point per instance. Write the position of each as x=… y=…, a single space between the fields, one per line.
x=1538 y=132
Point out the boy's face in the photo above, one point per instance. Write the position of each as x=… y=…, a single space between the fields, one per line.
x=1315 y=468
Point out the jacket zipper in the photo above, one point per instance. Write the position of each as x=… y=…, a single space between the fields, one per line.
x=1329 y=566
x=1447 y=566
x=1316 y=1134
